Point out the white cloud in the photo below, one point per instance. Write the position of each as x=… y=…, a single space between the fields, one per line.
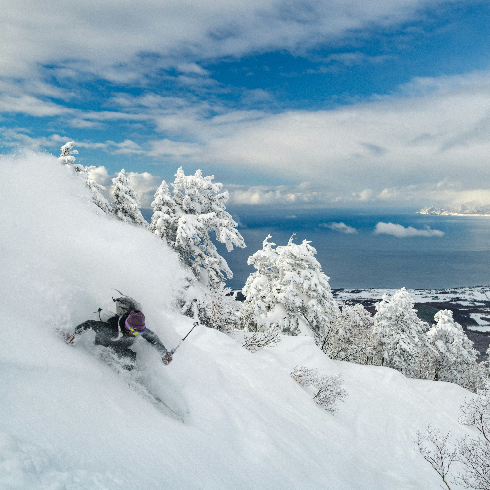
x=303 y=194
x=192 y=68
x=145 y=184
x=374 y=151
x=33 y=106
x=18 y=88
x=101 y=176
x=256 y=96
x=106 y=38
x=180 y=151
x=19 y=137
x=364 y=195
x=427 y=144
x=400 y=231
x=127 y=147
x=331 y=62
x=340 y=227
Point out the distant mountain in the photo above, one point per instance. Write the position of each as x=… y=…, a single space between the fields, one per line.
x=469 y=208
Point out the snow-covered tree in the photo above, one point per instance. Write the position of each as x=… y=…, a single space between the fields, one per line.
x=474 y=454
x=455 y=358
x=289 y=290
x=126 y=201
x=67 y=158
x=164 y=212
x=186 y=217
x=402 y=335
x=475 y=411
x=327 y=390
x=218 y=307
x=351 y=337
x=96 y=190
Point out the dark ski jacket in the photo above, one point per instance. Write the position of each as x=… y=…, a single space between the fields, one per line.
x=106 y=334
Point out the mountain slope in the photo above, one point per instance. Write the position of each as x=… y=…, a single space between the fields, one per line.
x=69 y=421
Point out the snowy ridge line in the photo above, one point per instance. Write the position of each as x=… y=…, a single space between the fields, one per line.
x=466 y=209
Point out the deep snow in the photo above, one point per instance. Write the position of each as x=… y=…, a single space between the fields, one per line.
x=69 y=421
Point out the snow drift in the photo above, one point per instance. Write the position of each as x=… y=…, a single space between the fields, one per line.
x=70 y=422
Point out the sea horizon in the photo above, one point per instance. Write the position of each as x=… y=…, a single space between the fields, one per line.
x=454 y=251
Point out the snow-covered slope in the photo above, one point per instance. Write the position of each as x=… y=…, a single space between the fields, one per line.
x=69 y=421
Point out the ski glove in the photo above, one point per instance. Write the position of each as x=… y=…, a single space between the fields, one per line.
x=69 y=338
x=167 y=359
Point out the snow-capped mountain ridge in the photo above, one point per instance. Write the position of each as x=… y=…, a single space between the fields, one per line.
x=467 y=209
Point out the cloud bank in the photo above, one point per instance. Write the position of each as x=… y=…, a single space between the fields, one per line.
x=422 y=144
x=400 y=231
x=425 y=143
x=112 y=39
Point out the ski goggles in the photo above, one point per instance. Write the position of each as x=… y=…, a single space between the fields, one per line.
x=131 y=330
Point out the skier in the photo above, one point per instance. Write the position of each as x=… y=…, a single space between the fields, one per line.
x=119 y=331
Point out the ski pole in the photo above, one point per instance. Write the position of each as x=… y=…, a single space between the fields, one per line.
x=178 y=345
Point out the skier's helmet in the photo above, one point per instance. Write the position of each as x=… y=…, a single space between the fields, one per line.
x=135 y=323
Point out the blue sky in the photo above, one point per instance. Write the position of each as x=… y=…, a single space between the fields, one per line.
x=288 y=103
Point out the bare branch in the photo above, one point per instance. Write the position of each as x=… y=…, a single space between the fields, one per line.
x=433 y=446
x=259 y=340
x=475 y=456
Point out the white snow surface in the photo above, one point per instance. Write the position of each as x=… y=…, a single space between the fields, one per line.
x=70 y=422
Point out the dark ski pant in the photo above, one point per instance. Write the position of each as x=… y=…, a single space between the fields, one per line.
x=107 y=337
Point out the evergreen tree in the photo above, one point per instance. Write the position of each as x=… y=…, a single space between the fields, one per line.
x=455 y=358
x=402 y=335
x=351 y=337
x=185 y=219
x=67 y=158
x=289 y=290
x=218 y=307
x=126 y=201
x=96 y=190
x=164 y=212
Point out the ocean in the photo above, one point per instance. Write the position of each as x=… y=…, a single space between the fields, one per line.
x=458 y=258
